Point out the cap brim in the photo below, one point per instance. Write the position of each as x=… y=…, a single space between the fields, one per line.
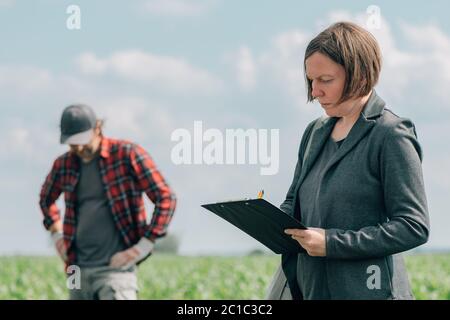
x=79 y=138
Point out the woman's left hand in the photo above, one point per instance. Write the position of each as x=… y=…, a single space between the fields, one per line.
x=312 y=240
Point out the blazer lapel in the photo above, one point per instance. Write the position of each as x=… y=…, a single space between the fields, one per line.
x=358 y=131
x=320 y=137
x=374 y=107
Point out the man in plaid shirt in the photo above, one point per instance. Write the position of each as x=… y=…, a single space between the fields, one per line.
x=105 y=230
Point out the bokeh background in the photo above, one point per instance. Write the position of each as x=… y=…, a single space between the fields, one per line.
x=149 y=67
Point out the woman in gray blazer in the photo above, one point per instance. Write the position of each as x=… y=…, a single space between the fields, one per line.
x=360 y=189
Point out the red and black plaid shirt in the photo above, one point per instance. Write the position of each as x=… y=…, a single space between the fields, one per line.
x=127 y=170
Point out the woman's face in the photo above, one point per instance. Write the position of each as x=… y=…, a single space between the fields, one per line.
x=328 y=81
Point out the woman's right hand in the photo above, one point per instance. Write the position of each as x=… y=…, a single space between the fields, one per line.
x=313 y=240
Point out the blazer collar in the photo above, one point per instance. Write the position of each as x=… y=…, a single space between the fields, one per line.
x=374 y=106
x=373 y=109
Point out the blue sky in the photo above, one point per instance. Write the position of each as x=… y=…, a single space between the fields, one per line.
x=152 y=66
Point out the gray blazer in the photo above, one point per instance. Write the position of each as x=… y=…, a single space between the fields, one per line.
x=373 y=202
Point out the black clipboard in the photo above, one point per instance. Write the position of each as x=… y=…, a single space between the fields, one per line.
x=261 y=220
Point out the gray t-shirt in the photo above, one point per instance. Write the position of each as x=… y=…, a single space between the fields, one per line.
x=312 y=276
x=97 y=238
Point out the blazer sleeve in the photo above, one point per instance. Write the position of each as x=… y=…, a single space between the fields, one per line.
x=407 y=225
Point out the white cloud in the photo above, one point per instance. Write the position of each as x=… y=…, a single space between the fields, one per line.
x=162 y=72
x=25 y=84
x=7 y=3
x=179 y=8
x=426 y=37
x=133 y=118
x=24 y=79
x=90 y=64
x=22 y=140
x=245 y=68
x=430 y=63
x=436 y=154
x=17 y=140
x=284 y=63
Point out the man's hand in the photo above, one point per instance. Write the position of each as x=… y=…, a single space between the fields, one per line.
x=58 y=241
x=124 y=258
x=56 y=227
x=136 y=253
x=56 y=231
x=312 y=240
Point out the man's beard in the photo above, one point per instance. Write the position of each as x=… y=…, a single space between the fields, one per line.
x=87 y=153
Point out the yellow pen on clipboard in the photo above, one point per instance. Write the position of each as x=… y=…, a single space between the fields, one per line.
x=261 y=194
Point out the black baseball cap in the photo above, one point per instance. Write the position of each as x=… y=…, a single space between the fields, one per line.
x=77 y=124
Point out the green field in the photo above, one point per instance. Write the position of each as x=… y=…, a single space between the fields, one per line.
x=176 y=277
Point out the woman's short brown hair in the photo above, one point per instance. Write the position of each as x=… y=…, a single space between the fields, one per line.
x=356 y=50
